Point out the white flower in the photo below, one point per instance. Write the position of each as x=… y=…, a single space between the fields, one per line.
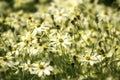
x=71 y=4
x=53 y=7
x=103 y=16
x=42 y=68
x=102 y=56
x=60 y=15
x=6 y=62
x=60 y=40
x=85 y=36
x=27 y=66
x=28 y=38
x=39 y=29
x=91 y=59
x=33 y=50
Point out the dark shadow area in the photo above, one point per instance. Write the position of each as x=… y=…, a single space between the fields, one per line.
x=105 y=2
x=109 y=3
x=28 y=7
x=4 y=27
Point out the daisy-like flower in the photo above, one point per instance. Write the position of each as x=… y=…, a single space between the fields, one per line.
x=42 y=68
x=27 y=66
x=104 y=55
x=60 y=40
x=40 y=28
x=71 y=4
x=103 y=16
x=6 y=62
x=89 y=59
x=85 y=36
x=28 y=38
x=60 y=15
x=53 y=7
x=33 y=50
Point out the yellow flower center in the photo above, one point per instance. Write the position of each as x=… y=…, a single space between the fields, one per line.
x=87 y=57
x=15 y=48
x=28 y=65
x=103 y=55
x=60 y=40
x=60 y=14
x=25 y=41
x=5 y=59
x=41 y=66
x=38 y=25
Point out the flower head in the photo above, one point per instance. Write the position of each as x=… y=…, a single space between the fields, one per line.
x=91 y=59
x=60 y=15
x=42 y=68
x=27 y=66
x=63 y=40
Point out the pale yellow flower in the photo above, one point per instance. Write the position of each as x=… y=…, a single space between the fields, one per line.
x=42 y=68
x=60 y=15
x=91 y=59
x=39 y=29
x=6 y=62
x=60 y=40
x=27 y=66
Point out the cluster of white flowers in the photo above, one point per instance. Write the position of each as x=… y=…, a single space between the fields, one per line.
x=40 y=68
x=59 y=40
